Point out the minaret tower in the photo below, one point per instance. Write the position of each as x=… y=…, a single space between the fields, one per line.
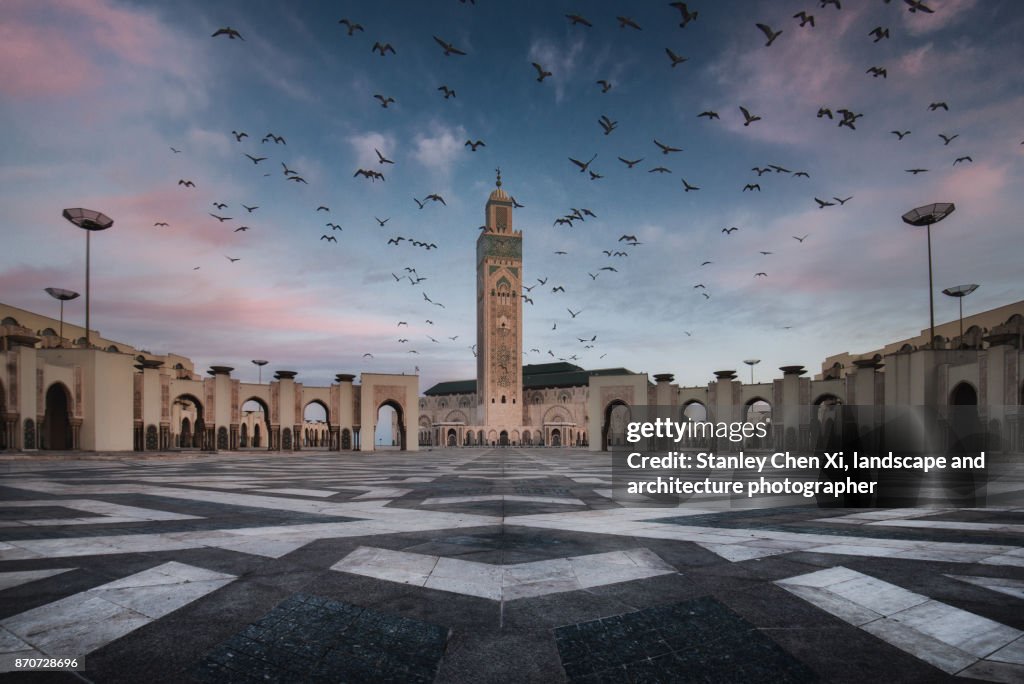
x=499 y=315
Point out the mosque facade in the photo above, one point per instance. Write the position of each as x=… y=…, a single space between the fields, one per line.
x=62 y=391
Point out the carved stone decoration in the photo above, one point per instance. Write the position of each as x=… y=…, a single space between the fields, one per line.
x=137 y=404
x=40 y=400
x=210 y=390
x=395 y=393
x=222 y=438
x=621 y=392
x=286 y=439
x=165 y=398
x=235 y=408
x=346 y=439
x=30 y=434
x=12 y=373
x=275 y=402
x=152 y=443
x=79 y=376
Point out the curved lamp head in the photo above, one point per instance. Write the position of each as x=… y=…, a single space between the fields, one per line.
x=929 y=214
x=88 y=219
x=61 y=294
x=960 y=290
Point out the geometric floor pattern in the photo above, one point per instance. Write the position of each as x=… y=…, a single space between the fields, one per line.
x=476 y=565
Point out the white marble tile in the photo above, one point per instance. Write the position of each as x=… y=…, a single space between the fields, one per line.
x=922 y=646
x=1010 y=587
x=321 y=493
x=18 y=577
x=966 y=631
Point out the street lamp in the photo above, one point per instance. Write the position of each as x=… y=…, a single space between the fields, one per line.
x=90 y=221
x=926 y=216
x=261 y=363
x=752 y=363
x=63 y=296
x=960 y=291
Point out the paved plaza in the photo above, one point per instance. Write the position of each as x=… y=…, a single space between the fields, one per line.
x=477 y=565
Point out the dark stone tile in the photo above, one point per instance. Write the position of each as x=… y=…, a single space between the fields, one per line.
x=310 y=638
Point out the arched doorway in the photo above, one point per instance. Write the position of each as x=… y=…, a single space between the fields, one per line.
x=243 y=436
x=503 y=438
x=556 y=437
x=254 y=423
x=316 y=425
x=613 y=428
x=453 y=438
x=389 y=432
x=56 y=432
x=187 y=420
x=758 y=412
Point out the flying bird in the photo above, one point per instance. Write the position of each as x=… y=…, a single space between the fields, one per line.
x=222 y=219
x=574 y=314
x=161 y=223
x=709 y=114
x=752 y=187
x=938 y=105
x=541 y=73
x=877 y=71
x=448 y=48
x=352 y=26
x=382 y=48
x=804 y=18
x=748 y=117
x=822 y=203
x=436 y=198
x=626 y=21
x=687 y=15
x=575 y=19
x=448 y=92
x=186 y=183
x=962 y=159
x=276 y=139
x=918 y=6
x=916 y=171
x=473 y=145
x=769 y=33
x=241 y=229
x=879 y=33
x=730 y=230
x=665 y=149
x=381 y=159
x=329 y=238
x=239 y=135
x=687 y=187
x=948 y=138
x=900 y=134
x=605 y=85
x=232 y=259
x=676 y=59
x=843 y=201
x=630 y=164
x=229 y=32
x=384 y=101
x=761 y=274
x=800 y=239
x=581 y=165
x=607 y=124
x=175 y=151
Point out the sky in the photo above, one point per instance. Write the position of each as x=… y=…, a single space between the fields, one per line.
x=96 y=93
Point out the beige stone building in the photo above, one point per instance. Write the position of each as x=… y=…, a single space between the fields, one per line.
x=57 y=393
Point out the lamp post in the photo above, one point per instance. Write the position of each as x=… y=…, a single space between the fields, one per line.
x=960 y=291
x=752 y=363
x=63 y=296
x=260 y=363
x=90 y=221
x=926 y=216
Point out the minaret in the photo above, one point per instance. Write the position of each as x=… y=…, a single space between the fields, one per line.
x=499 y=315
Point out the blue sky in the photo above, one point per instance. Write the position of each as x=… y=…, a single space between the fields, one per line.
x=96 y=93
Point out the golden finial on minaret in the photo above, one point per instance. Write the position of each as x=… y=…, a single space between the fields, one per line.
x=498 y=183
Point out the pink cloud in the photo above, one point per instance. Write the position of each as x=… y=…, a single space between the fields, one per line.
x=41 y=58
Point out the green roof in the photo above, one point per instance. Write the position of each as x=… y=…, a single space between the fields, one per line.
x=535 y=376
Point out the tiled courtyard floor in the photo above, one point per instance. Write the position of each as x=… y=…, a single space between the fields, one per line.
x=478 y=565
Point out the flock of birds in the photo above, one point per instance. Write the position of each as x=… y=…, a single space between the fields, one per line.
x=614 y=254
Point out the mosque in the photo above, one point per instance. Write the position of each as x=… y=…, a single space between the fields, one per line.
x=65 y=388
